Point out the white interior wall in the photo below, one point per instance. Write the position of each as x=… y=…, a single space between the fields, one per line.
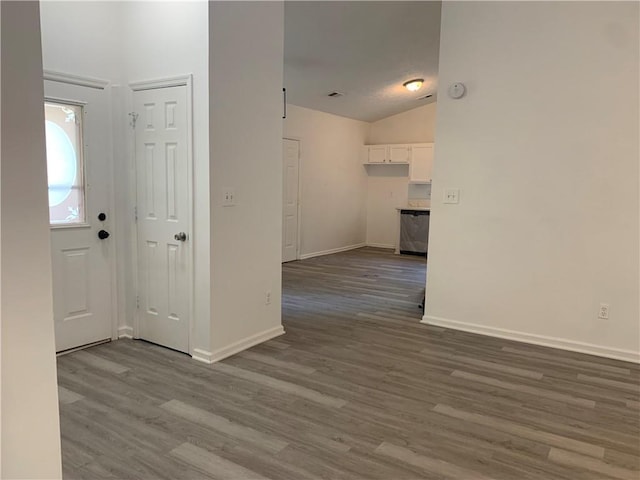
x=83 y=38
x=332 y=180
x=167 y=39
x=30 y=429
x=413 y=126
x=387 y=186
x=544 y=149
x=386 y=189
x=246 y=46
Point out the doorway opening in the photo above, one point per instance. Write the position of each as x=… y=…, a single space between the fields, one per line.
x=368 y=151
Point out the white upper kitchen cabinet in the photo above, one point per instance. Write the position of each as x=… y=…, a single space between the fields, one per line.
x=421 y=163
x=388 y=154
x=419 y=157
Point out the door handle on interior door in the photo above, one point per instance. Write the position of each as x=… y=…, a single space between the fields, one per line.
x=181 y=237
x=103 y=234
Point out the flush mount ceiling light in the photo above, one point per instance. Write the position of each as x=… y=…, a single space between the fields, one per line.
x=413 y=85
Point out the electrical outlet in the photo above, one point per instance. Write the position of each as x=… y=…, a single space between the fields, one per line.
x=228 y=197
x=267 y=297
x=603 y=313
x=452 y=195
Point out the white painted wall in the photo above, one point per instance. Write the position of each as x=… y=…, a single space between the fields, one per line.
x=387 y=186
x=413 y=126
x=30 y=429
x=332 y=179
x=245 y=101
x=83 y=38
x=544 y=148
x=166 y=39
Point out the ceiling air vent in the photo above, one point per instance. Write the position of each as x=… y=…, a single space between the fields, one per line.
x=424 y=97
x=335 y=94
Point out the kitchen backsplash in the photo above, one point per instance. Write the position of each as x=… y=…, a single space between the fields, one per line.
x=419 y=203
x=419 y=192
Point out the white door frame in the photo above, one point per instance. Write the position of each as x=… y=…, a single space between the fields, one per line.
x=98 y=84
x=299 y=211
x=177 y=81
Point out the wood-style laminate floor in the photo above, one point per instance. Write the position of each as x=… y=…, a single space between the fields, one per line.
x=356 y=389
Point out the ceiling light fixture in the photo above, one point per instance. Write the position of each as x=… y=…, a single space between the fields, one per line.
x=413 y=85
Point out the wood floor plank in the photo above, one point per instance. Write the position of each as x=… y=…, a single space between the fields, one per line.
x=549 y=356
x=582 y=402
x=610 y=383
x=224 y=425
x=429 y=465
x=285 y=387
x=633 y=404
x=280 y=345
x=274 y=362
x=212 y=464
x=521 y=431
x=100 y=363
x=520 y=372
x=588 y=463
x=67 y=397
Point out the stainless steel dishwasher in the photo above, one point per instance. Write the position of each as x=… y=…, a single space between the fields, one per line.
x=414 y=231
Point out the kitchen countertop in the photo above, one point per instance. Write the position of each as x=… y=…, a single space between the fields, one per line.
x=417 y=209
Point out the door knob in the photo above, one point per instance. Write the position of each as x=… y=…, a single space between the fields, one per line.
x=103 y=234
x=181 y=237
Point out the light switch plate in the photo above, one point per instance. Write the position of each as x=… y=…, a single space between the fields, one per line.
x=451 y=195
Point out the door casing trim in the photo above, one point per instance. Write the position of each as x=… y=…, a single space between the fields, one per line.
x=78 y=80
x=299 y=206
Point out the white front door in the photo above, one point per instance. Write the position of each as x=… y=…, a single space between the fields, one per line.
x=290 y=168
x=79 y=173
x=163 y=210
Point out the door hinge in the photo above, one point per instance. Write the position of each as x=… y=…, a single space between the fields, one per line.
x=135 y=214
x=134 y=118
x=137 y=301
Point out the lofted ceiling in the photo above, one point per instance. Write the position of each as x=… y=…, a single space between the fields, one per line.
x=365 y=50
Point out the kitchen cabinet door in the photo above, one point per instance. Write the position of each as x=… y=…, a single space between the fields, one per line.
x=399 y=153
x=421 y=163
x=377 y=154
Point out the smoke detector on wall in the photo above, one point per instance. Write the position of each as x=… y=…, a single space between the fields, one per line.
x=457 y=90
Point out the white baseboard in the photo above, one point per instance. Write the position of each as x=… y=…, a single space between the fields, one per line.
x=333 y=250
x=381 y=245
x=236 y=347
x=125 y=332
x=202 y=355
x=561 y=343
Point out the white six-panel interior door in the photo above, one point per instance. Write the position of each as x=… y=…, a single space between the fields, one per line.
x=290 y=170
x=81 y=262
x=163 y=215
